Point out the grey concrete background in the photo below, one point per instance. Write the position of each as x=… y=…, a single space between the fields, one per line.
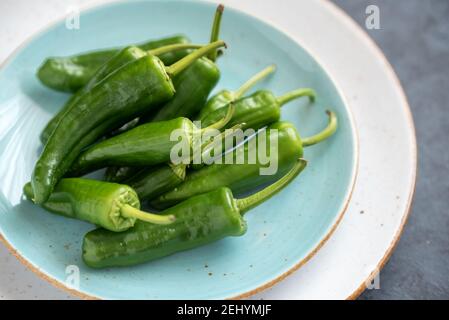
x=414 y=35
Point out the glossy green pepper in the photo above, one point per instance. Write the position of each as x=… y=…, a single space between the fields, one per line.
x=244 y=177
x=200 y=220
x=146 y=145
x=224 y=97
x=193 y=87
x=194 y=84
x=151 y=182
x=121 y=58
x=122 y=96
x=257 y=110
x=112 y=206
x=72 y=73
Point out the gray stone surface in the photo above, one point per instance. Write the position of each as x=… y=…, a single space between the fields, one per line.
x=414 y=36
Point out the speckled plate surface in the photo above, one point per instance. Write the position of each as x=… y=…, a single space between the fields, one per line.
x=282 y=233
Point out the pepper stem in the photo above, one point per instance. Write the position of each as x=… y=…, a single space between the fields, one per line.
x=173 y=47
x=326 y=133
x=250 y=202
x=216 y=30
x=180 y=65
x=254 y=80
x=223 y=121
x=295 y=94
x=128 y=211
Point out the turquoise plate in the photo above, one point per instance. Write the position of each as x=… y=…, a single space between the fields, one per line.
x=282 y=233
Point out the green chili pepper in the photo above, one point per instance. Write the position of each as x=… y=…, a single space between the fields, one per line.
x=200 y=220
x=112 y=206
x=223 y=97
x=145 y=145
x=121 y=58
x=119 y=98
x=72 y=73
x=152 y=182
x=257 y=110
x=193 y=86
x=244 y=177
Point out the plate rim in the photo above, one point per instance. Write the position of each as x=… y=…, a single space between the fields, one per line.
x=343 y=16
x=98 y=4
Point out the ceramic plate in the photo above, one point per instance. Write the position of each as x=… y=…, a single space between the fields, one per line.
x=283 y=232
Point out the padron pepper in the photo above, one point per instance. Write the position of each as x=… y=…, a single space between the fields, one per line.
x=122 y=96
x=151 y=182
x=121 y=58
x=72 y=73
x=258 y=109
x=244 y=177
x=200 y=220
x=193 y=87
x=112 y=206
x=224 y=97
x=145 y=145
x=255 y=111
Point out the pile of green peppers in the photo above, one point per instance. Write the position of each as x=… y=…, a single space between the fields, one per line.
x=125 y=105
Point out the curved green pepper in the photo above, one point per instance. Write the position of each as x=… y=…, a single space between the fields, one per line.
x=72 y=73
x=194 y=84
x=145 y=145
x=241 y=178
x=257 y=110
x=193 y=87
x=112 y=206
x=200 y=220
x=121 y=58
x=224 y=97
x=122 y=96
x=152 y=182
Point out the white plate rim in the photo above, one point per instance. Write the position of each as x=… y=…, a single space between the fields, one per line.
x=392 y=246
